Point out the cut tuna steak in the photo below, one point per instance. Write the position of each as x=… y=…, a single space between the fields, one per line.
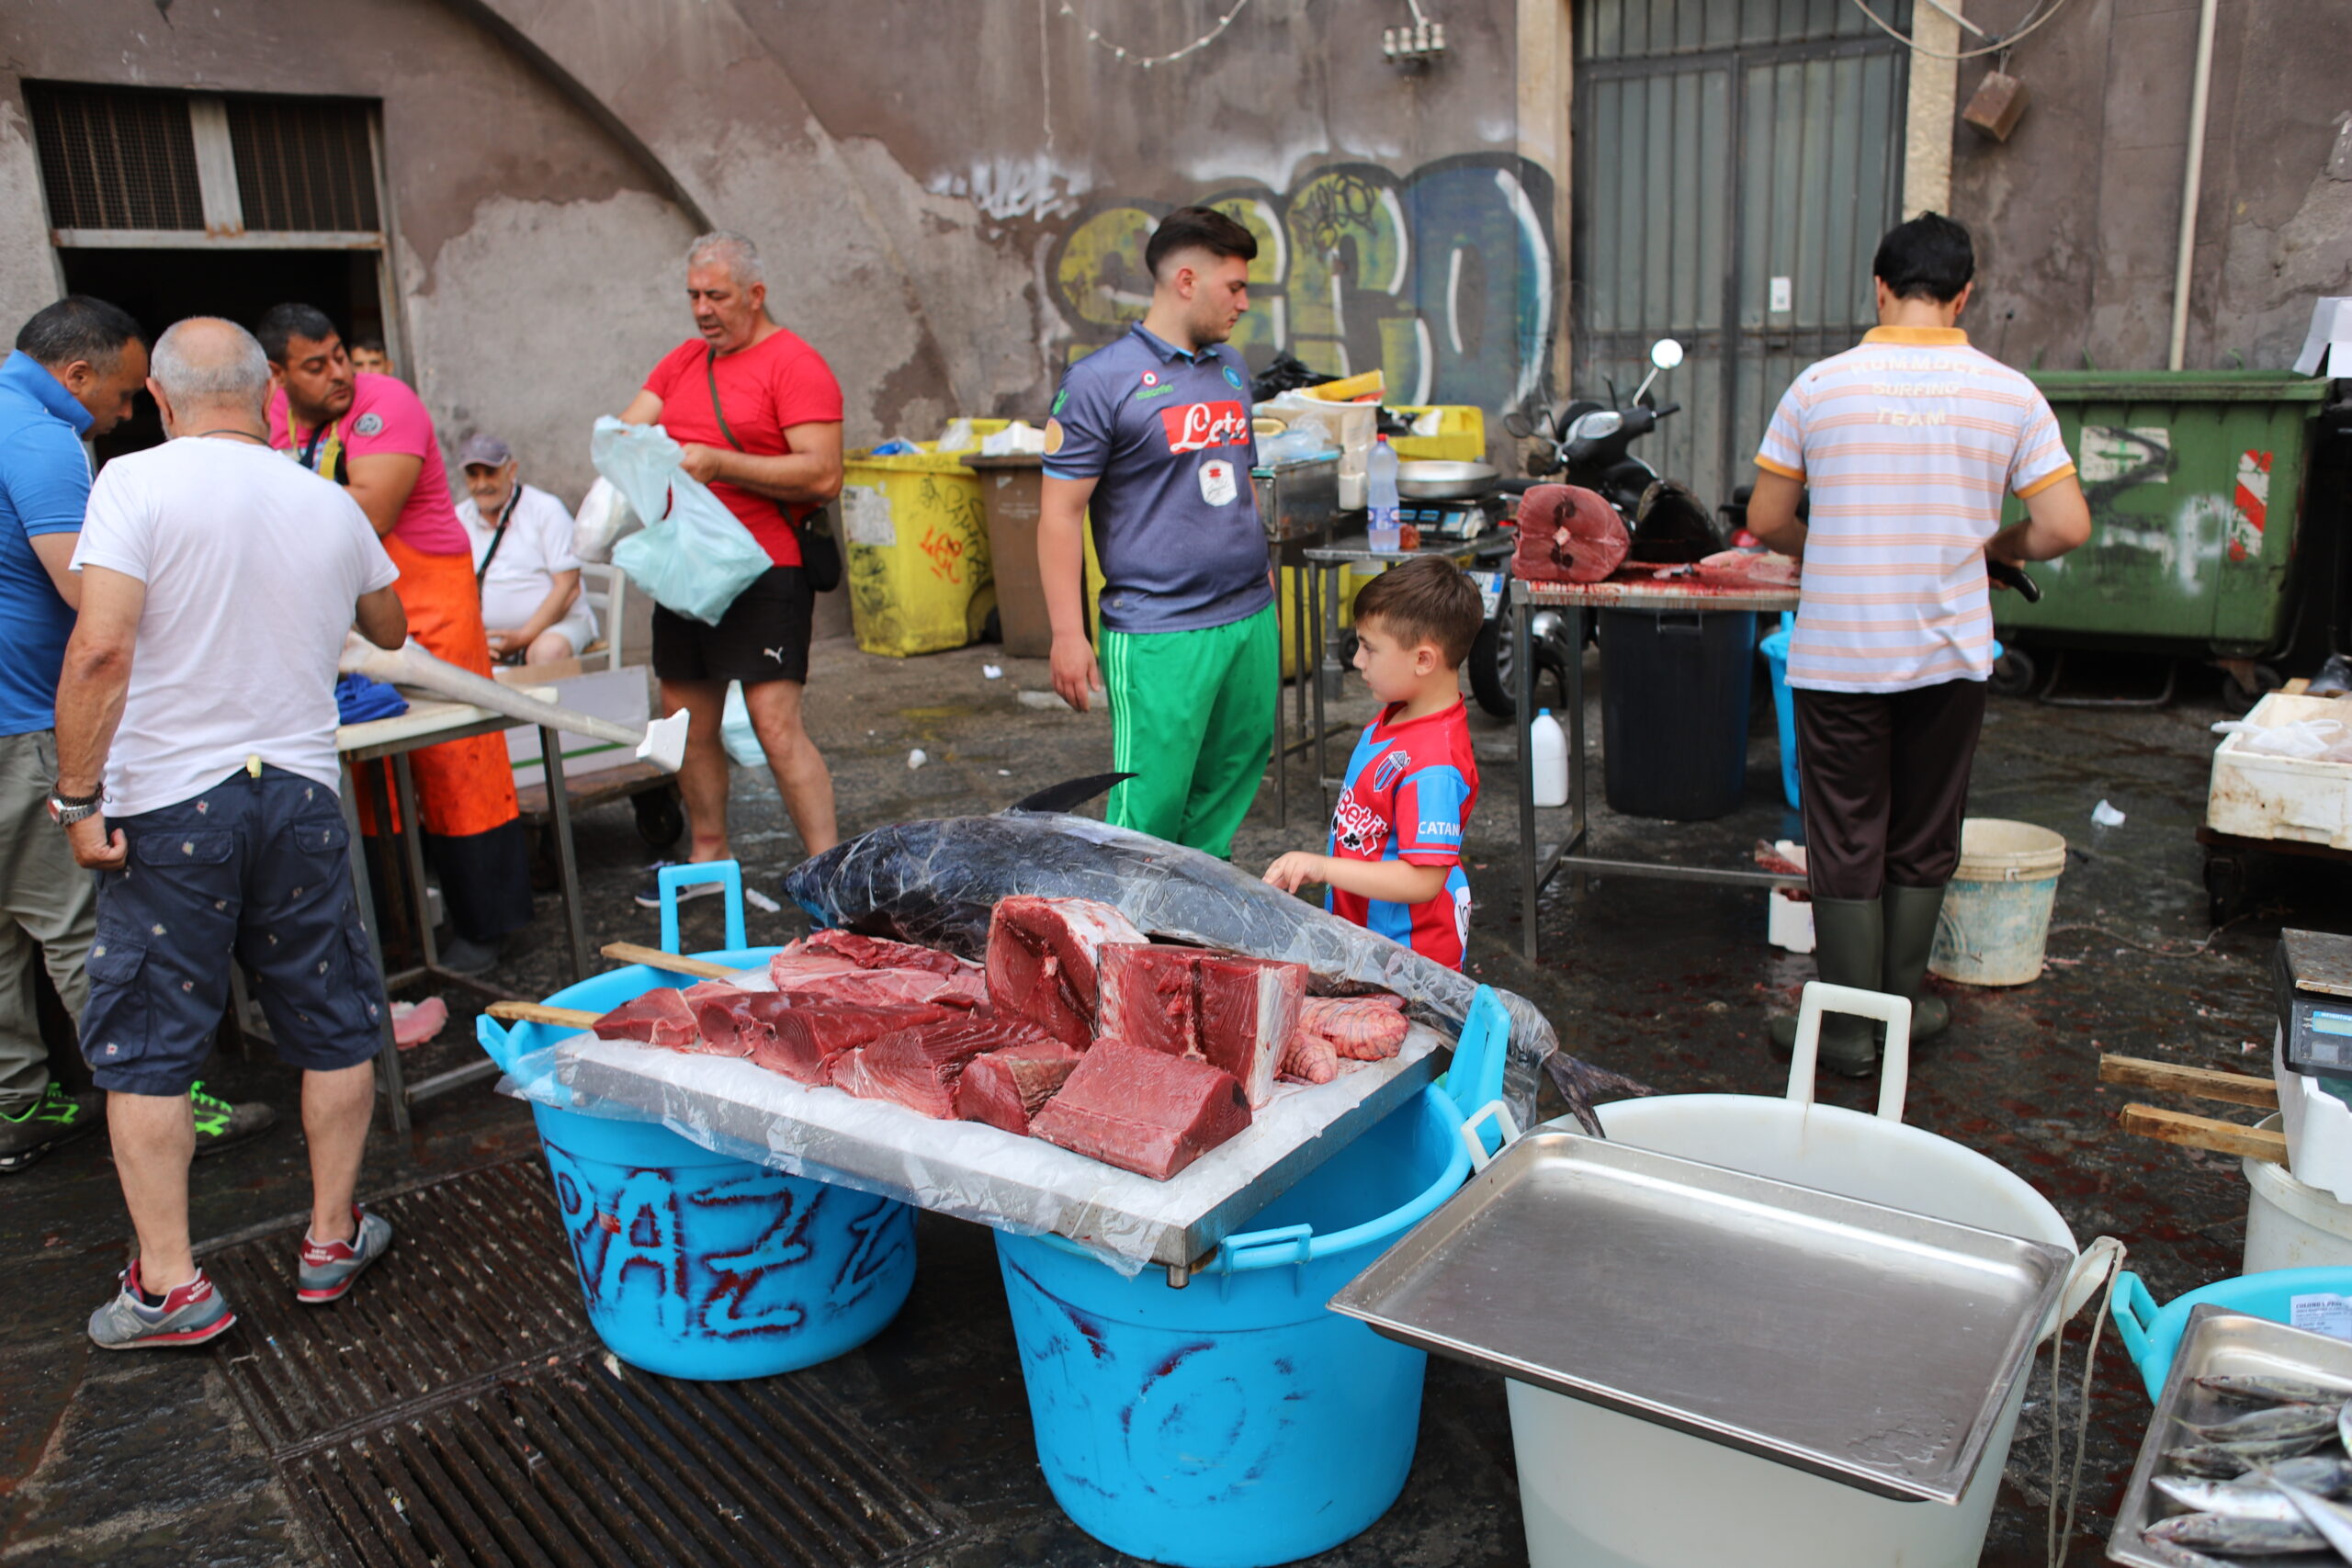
x=889 y=988
x=878 y=953
x=920 y=1068
x=1359 y=1029
x=1005 y=1087
x=731 y=1025
x=1567 y=535
x=804 y=1039
x=1233 y=1012
x=1143 y=1110
x=660 y=1017
x=1041 y=961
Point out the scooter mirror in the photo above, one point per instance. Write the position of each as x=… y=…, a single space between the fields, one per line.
x=1519 y=425
x=1666 y=353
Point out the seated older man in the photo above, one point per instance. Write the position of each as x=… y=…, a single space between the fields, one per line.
x=522 y=559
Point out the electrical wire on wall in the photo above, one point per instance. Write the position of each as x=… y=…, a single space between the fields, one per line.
x=1997 y=45
x=1132 y=57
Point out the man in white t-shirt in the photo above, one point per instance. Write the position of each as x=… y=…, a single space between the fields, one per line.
x=218 y=582
x=522 y=559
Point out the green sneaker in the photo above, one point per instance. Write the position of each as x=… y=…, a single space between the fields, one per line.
x=55 y=1118
x=220 y=1125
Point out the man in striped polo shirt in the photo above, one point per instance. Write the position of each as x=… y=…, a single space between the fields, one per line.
x=1908 y=443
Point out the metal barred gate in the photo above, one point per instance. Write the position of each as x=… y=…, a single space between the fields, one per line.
x=1736 y=163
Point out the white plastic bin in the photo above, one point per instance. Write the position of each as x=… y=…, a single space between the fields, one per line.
x=2260 y=795
x=1995 y=917
x=1605 y=1490
x=2289 y=1223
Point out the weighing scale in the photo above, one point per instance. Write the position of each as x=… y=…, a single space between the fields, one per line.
x=1447 y=519
x=2311 y=972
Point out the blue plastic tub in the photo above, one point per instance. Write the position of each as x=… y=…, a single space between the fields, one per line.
x=1774 y=646
x=2152 y=1333
x=699 y=1265
x=1238 y=1422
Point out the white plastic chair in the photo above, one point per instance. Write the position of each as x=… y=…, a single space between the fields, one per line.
x=606 y=588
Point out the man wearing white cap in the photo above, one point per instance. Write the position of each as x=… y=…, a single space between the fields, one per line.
x=522 y=559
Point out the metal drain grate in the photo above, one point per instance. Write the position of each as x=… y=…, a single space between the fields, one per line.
x=456 y=1410
x=477 y=1284
x=593 y=1463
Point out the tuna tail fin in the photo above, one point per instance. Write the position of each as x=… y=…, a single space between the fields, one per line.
x=1580 y=1084
x=1069 y=793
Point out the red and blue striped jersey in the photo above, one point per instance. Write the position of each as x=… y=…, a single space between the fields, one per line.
x=1407 y=796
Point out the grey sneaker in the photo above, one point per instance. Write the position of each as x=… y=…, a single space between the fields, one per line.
x=188 y=1315
x=55 y=1118
x=330 y=1266
x=220 y=1125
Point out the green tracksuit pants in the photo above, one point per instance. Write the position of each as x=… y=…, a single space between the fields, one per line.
x=1192 y=717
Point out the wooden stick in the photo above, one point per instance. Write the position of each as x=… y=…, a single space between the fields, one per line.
x=2205 y=1132
x=668 y=963
x=533 y=1012
x=2204 y=1083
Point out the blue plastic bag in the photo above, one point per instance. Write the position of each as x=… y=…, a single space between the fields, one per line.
x=693 y=556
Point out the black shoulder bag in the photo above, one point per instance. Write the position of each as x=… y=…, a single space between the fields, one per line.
x=821 y=553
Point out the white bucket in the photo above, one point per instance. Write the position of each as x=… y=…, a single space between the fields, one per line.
x=2291 y=1224
x=1996 y=911
x=1605 y=1490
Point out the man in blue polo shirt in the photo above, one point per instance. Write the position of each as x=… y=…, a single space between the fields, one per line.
x=1152 y=435
x=76 y=368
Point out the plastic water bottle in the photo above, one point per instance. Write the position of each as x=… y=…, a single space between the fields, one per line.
x=1387 y=513
x=1547 y=744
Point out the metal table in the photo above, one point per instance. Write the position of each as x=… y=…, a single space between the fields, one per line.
x=429 y=723
x=1324 y=566
x=1298 y=504
x=1579 y=600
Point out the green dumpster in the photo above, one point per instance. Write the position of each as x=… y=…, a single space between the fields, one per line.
x=2195 y=480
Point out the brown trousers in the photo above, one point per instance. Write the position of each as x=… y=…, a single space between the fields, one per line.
x=1884 y=780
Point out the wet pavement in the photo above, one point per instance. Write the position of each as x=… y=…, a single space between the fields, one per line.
x=127 y=1460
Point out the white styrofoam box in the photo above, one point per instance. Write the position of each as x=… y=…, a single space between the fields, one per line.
x=2318 y=1127
x=623 y=695
x=1356 y=427
x=2255 y=794
x=1788 y=922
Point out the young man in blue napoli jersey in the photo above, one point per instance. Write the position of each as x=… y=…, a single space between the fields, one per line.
x=1394 y=859
x=1150 y=436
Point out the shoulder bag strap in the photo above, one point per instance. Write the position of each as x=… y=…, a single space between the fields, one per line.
x=506 y=514
x=710 y=369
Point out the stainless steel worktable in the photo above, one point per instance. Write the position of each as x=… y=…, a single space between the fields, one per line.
x=1580 y=599
x=428 y=723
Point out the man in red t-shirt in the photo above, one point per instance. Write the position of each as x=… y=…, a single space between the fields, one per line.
x=759 y=415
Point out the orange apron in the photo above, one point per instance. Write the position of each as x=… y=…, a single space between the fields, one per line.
x=463 y=787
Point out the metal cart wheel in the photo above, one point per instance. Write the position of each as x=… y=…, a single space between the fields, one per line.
x=2224 y=886
x=2014 y=673
x=661 y=817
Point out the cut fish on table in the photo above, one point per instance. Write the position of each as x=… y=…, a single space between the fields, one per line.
x=1233 y=1012
x=1568 y=535
x=920 y=1068
x=803 y=1039
x=1041 y=960
x=1763 y=568
x=1142 y=1110
x=937 y=883
x=1310 y=1058
x=1360 y=1029
x=661 y=742
x=885 y=988
x=877 y=952
x=659 y=1017
x=1005 y=1088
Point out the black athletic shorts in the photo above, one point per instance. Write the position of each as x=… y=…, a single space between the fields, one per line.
x=763 y=635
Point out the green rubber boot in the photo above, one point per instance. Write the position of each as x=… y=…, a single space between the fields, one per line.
x=1910 y=932
x=1848 y=948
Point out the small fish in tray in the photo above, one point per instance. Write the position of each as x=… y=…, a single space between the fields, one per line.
x=2258 y=1390
x=2280 y=1424
x=2238 y=1537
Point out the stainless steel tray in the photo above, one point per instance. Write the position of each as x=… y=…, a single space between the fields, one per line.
x=2218 y=1343
x=1873 y=1347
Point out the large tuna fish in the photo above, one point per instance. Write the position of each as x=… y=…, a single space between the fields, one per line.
x=935 y=882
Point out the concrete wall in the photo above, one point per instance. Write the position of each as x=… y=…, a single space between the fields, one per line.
x=2076 y=214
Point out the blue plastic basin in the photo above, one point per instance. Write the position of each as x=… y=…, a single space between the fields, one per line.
x=699 y=1265
x=1774 y=646
x=2152 y=1334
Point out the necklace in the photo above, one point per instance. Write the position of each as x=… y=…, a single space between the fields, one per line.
x=231 y=429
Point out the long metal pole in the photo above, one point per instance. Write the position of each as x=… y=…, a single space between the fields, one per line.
x=2191 y=180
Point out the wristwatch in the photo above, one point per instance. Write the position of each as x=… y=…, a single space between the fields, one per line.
x=67 y=809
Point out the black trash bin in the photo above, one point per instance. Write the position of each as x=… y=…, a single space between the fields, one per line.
x=1674 y=710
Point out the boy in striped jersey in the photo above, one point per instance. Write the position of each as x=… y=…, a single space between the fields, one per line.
x=1907 y=442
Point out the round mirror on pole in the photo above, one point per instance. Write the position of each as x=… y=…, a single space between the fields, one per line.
x=1666 y=353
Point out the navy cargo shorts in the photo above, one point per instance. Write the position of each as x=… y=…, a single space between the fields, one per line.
x=253 y=869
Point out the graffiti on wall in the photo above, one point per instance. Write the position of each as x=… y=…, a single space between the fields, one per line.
x=1441 y=278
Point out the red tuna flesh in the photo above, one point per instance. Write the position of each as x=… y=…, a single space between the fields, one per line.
x=1005 y=1087
x=732 y=1025
x=1360 y=1029
x=878 y=953
x=1567 y=535
x=889 y=988
x=1235 y=1013
x=1041 y=961
x=1142 y=1110
x=660 y=1017
x=920 y=1068
x=808 y=1036
x=1310 y=1058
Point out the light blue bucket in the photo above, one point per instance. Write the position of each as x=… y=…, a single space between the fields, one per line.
x=699 y=1265
x=1236 y=1422
x=1774 y=646
x=2152 y=1334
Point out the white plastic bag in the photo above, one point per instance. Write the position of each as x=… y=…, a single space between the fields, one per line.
x=2303 y=738
x=605 y=519
x=735 y=730
x=692 y=556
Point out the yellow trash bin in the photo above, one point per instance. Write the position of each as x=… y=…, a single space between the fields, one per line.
x=1460 y=435
x=916 y=539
